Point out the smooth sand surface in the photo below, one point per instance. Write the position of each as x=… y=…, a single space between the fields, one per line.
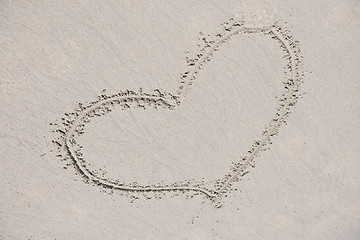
x=179 y=120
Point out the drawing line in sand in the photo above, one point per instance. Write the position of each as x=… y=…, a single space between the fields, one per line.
x=75 y=122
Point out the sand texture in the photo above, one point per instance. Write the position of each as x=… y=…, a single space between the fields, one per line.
x=180 y=120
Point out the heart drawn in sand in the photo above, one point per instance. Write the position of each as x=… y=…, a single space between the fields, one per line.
x=75 y=122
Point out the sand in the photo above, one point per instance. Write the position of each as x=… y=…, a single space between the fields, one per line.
x=180 y=120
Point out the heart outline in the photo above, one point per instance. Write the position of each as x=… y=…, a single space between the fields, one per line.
x=74 y=127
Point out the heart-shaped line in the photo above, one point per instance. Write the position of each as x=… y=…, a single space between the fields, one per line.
x=74 y=124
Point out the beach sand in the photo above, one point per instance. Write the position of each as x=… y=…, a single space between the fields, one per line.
x=179 y=120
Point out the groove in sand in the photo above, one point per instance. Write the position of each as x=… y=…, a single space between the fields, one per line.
x=100 y=107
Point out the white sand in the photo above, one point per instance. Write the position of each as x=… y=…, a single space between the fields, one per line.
x=55 y=55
